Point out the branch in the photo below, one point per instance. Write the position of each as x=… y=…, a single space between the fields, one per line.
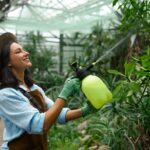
x=126 y=136
x=146 y=85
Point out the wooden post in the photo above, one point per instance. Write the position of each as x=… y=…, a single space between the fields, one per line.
x=61 y=53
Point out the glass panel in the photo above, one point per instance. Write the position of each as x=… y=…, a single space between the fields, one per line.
x=58 y=14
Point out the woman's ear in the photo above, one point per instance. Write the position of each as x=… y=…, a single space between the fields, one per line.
x=9 y=65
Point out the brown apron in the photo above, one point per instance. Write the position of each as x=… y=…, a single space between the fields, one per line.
x=31 y=141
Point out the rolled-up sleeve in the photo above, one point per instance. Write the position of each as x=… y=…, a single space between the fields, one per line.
x=18 y=110
x=62 y=116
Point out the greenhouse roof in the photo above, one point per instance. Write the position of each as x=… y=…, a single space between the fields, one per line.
x=51 y=15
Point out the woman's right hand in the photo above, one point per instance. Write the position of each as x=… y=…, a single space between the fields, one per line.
x=88 y=109
x=71 y=86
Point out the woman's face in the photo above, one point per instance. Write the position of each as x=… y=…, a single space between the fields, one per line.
x=18 y=57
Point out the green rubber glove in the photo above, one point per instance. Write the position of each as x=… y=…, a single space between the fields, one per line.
x=71 y=86
x=88 y=109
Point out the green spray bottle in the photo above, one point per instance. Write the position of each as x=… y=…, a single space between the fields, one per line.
x=92 y=86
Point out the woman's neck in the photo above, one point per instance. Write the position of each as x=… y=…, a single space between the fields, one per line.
x=20 y=77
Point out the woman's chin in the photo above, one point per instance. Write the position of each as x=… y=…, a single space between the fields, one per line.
x=29 y=65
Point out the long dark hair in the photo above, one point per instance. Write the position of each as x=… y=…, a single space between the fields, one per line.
x=7 y=78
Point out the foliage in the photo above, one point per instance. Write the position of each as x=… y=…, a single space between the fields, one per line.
x=64 y=138
x=136 y=14
x=125 y=122
x=122 y=124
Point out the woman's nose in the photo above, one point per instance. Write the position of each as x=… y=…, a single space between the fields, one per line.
x=26 y=53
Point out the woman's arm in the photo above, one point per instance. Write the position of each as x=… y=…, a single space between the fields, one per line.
x=73 y=114
x=82 y=112
x=52 y=114
x=71 y=86
x=70 y=115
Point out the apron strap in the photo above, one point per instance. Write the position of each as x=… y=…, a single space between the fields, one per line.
x=32 y=100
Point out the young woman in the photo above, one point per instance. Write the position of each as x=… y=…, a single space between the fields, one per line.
x=26 y=111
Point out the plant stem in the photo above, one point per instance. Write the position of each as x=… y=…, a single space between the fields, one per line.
x=143 y=91
x=133 y=146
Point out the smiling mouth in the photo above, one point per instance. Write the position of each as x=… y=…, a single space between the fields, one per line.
x=26 y=59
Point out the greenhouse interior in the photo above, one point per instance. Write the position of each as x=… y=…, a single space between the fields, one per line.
x=89 y=63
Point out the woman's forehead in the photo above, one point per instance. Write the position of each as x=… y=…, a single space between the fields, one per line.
x=14 y=46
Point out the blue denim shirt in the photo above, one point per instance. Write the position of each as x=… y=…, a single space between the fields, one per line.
x=19 y=115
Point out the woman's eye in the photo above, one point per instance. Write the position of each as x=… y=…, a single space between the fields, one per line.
x=19 y=51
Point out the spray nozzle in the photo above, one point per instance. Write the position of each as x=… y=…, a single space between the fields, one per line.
x=81 y=72
x=74 y=65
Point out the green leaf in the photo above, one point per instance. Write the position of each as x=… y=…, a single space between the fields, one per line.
x=145 y=61
x=133 y=3
x=117 y=90
x=130 y=93
x=129 y=68
x=134 y=86
x=148 y=51
x=115 y=72
x=114 y=2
